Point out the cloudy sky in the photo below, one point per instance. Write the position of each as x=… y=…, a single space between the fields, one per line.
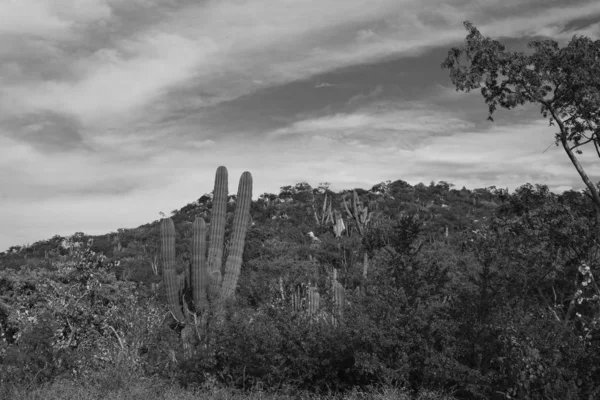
x=114 y=110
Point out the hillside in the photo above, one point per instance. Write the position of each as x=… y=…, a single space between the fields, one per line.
x=438 y=206
x=437 y=292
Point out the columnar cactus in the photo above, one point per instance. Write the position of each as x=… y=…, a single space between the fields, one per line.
x=306 y=298
x=205 y=281
x=313 y=300
x=337 y=292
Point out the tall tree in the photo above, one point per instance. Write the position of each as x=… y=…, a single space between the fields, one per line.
x=564 y=82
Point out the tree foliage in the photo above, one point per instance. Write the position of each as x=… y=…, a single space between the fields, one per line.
x=564 y=82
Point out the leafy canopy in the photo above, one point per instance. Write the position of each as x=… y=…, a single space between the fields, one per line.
x=564 y=82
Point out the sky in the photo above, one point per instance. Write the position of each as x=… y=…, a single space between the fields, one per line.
x=112 y=111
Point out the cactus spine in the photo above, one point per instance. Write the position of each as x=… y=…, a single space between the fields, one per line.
x=204 y=281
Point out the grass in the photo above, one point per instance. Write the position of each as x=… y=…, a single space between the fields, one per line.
x=102 y=387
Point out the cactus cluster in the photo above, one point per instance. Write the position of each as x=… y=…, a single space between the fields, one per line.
x=326 y=213
x=362 y=216
x=307 y=298
x=359 y=213
x=207 y=282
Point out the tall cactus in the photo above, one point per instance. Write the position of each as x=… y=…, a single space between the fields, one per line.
x=241 y=220
x=338 y=293
x=205 y=281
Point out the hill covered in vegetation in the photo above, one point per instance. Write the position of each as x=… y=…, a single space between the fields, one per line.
x=473 y=293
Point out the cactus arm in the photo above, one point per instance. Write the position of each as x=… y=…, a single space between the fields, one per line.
x=170 y=277
x=240 y=226
x=200 y=276
x=217 y=221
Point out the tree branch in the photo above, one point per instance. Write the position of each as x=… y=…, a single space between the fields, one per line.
x=547 y=304
x=581 y=144
x=118 y=337
x=575 y=161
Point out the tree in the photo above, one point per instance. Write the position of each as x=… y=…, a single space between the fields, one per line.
x=564 y=82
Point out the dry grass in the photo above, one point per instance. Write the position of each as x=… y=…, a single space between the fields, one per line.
x=143 y=388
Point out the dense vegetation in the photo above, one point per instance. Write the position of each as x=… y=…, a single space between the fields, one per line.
x=476 y=294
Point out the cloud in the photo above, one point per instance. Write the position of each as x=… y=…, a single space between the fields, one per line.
x=47 y=131
x=223 y=48
x=363 y=98
x=364 y=35
x=113 y=85
x=323 y=84
x=50 y=19
x=404 y=126
x=113 y=110
x=543 y=22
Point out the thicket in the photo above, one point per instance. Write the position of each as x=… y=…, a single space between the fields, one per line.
x=476 y=294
